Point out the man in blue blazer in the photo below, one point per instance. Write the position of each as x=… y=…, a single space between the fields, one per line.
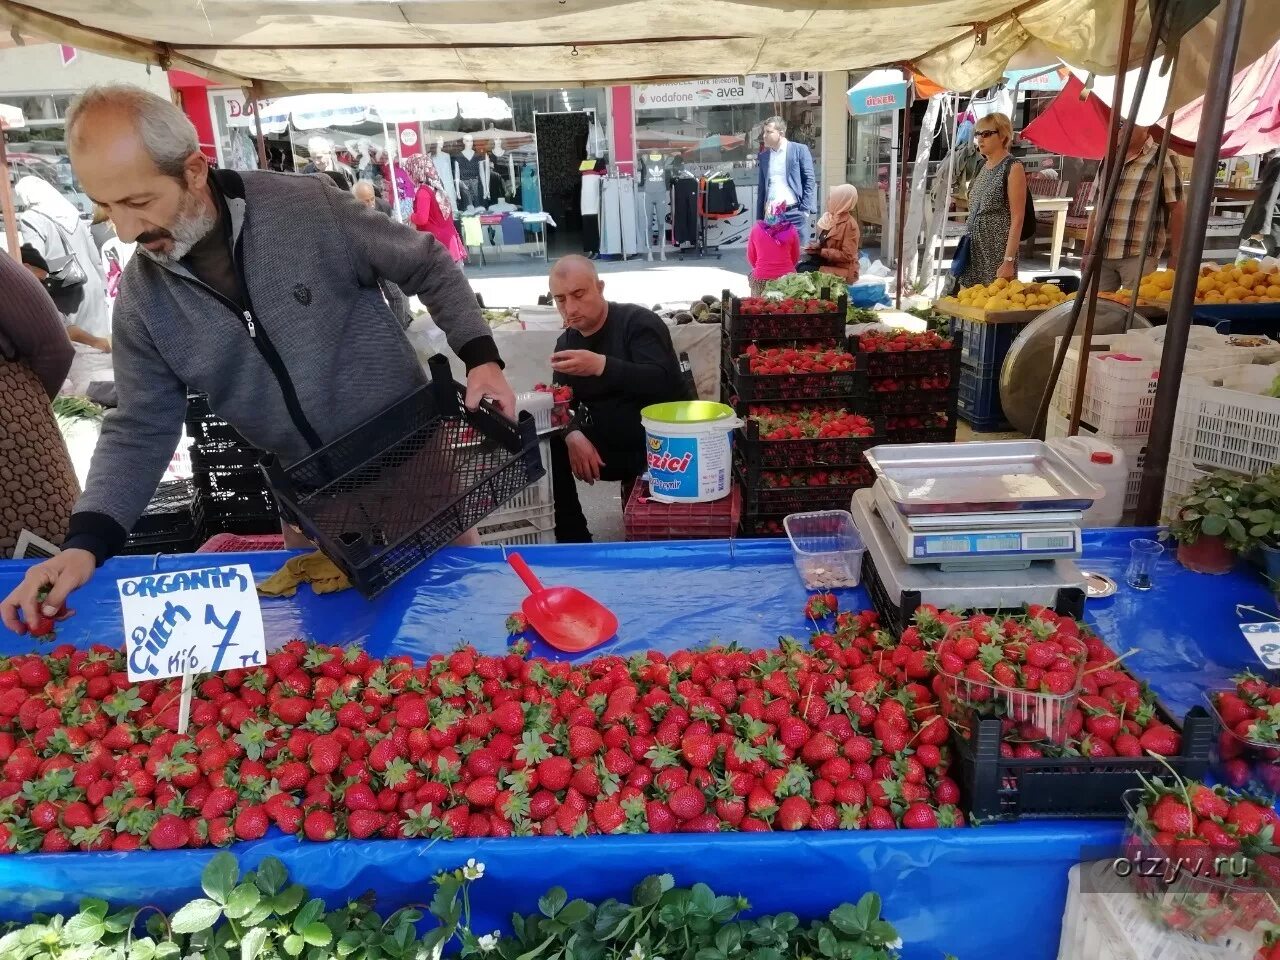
x=786 y=177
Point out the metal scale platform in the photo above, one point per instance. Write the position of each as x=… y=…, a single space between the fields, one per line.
x=975 y=525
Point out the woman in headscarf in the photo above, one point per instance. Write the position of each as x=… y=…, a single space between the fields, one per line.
x=772 y=250
x=35 y=356
x=432 y=209
x=835 y=249
x=51 y=225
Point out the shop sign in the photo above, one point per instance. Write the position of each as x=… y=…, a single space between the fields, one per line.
x=877 y=99
x=755 y=88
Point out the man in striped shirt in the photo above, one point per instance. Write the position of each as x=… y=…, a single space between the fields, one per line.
x=1145 y=191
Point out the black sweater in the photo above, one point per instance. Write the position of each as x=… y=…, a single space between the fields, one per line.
x=641 y=369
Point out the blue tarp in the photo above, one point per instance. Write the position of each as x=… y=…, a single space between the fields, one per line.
x=991 y=891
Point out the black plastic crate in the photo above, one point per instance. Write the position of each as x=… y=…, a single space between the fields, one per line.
x=940 y=430
x=746 y=328
x=760 y=497
x=214 y=455
x=178 y=541
x=232 y=479
x=909 y=402
x=896 y=612
x=760 y=525
x=412 y=479
x=761 y=454
x=752 y=388
x=908 y=362
x=229 y=502
x=168 y=513
x=1082 y=788
x=744 y=408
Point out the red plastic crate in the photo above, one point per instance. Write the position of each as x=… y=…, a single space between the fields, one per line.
x=647 y=519
x=237 y=543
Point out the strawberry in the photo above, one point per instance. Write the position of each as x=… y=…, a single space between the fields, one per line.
x=687 y=802
x=584 y=742
x=169 y=833
x=1171 y=814
x=363 y=824
x=251 y=823
x=698 y=751
x=1161 y=739
x=554 y=773
x=794 y=813
x=608 y=816
x=318 y=825
x=920 y=816
x=659 y=817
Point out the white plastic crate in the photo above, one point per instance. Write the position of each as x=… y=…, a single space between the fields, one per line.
x=537 y=527
x=542 y=406
x=1135 y=452
x=1180 y=477
x=1111 y=923
x=536 y=494
x=1225 y=423
x=1119 y=395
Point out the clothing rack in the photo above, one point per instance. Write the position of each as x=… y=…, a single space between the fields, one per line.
x=699 y=248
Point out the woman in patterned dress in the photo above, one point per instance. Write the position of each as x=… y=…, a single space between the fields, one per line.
x=38 y=486
x=997 y=204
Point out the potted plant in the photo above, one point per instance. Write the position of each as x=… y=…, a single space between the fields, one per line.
x=1208 y=524
x=1262 y=520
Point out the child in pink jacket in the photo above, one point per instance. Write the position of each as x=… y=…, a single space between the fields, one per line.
x=773 y=250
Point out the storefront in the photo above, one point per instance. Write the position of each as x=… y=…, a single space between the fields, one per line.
x=714 y=127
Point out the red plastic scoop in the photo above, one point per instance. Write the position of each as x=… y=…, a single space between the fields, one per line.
x=565 y=617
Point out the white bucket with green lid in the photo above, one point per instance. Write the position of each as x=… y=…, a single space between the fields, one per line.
x=689 y=449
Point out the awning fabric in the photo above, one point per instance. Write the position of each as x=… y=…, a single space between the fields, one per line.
x=1079 y=128
x=1253 y=112
x=299 y=46
x=321 y=110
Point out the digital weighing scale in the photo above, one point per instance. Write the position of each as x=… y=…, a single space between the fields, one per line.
x=981 y=541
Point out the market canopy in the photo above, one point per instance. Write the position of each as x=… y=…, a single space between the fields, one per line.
x=297 y=46
x=1253 y=112
x=321 y=110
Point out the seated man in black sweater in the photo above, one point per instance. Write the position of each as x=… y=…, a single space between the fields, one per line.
x=618 y=358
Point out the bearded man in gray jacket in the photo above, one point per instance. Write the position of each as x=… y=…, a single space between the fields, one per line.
x=259 y=289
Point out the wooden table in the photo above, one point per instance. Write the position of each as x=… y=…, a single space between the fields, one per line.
x=1058 y=206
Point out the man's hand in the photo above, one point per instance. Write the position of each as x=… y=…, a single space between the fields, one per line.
x=488 y=380
x=584 y=458
x=578 y=363
x=68 y=571
x=102 y=344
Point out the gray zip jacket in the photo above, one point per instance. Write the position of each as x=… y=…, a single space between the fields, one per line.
x=315 y=354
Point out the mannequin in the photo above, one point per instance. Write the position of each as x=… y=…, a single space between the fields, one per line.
x=444 y=167
x=655 y=175
x=472 y=187
x=499 y=153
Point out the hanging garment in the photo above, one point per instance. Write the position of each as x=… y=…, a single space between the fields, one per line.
x=444 y=170
x=591 y=184
x=631 y=223
x=722 y=196
x=498 y=189
x=467 y=168
x=684 y=223
x=470 y=194
x=529 y=189
x=472 y=232
x=590 y=233
x=512 y=230
x=610 y=219
x=654 y=173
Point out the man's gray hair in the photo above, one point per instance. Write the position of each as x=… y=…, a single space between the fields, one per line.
x=166 y=133
x=778 y=124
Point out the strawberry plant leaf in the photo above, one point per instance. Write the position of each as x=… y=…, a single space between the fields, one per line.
x=649 y=891
x=294 y=945
x=827 y=942
x=168 y=950
x=319 y=934
x=728 y=939
x=271 y=876
x=219 y=877
x=199 y=914
x=847 y=919
x=253 y=942
x=84 y=928
x=244 y=898
x=552 y=902
x=144 y=949
x=574 y=912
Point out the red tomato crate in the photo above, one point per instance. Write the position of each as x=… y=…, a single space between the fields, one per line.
x=646 y=519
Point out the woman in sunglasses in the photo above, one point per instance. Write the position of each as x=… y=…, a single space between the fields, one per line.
x=997 y=205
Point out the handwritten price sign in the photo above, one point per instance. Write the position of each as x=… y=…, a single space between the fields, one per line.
x=1265 y=640
x=192 y=621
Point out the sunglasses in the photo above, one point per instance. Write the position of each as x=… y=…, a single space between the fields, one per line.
x=983 y=134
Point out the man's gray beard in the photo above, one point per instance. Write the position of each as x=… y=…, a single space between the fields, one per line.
x=194 y=223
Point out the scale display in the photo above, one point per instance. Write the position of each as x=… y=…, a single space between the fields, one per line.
x=993 y=544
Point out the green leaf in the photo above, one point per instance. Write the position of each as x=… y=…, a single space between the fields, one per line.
x=827 y=942
x=536 y=951
x=350 y=943
x=446 y=896
x=288 y=899
x=83 y=928
x=94 y=906
x=1214 y=525
x=728 y=939
x=553 y=902
x=764 y=953
x=219 y=877
x=144 y=949
x=709 y=953
x=575 y=912
x=271 y=877
x=168 y=950
x=612 y=918
x=319 y=935
x=9 y=942
x=253 y=943
x=308 y=915
x=847 y=919
x=243 y=899
x=786 y=922
x=869 y=908
x=196 y=916
x=650 y=890
x=882 y=931
x=294 y=945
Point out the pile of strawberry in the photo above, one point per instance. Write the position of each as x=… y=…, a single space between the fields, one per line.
x=775 y=361
x=1215 y=852
x=561 y=397
x=938 y=381
x=923 y=421
x=899 y=341
x=809 y=424
x=1114 y=716
x=324 y=742
x=793 y=479
x=1249 y=741
x=765 y=306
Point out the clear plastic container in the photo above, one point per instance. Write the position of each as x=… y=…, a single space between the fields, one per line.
x=827 y=548
x=1251 y=766
x=540 y=405
x=1212 y=897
